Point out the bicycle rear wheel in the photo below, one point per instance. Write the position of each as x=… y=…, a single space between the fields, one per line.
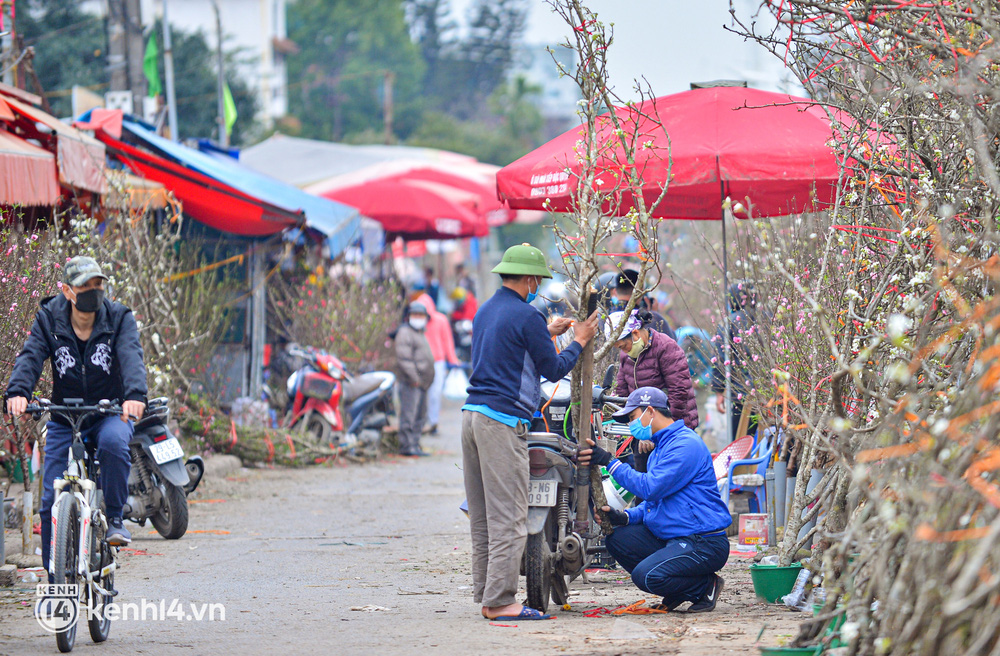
x=65 y=559
x=102 y=555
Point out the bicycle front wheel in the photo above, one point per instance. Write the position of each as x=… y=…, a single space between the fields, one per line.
x=65 y=559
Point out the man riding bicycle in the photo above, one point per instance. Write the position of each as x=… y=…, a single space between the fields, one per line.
x=93 y=344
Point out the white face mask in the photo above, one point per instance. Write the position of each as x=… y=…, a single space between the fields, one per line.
x=418 y=323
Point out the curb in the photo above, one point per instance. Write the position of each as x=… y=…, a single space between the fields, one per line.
x=8 y=575
x=219 y=465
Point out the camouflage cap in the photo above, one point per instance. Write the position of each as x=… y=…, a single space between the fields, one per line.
x=80 y=269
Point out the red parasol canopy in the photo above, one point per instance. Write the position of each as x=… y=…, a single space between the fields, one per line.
x=487 y=203
x=770 y=151
x=413 y=211
x=467 y=175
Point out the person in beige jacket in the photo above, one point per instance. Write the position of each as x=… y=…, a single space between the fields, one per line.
x=415 y=366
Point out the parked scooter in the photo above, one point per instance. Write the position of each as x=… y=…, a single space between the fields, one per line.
x=160 y=479
x=557 y=550
x=318 y=391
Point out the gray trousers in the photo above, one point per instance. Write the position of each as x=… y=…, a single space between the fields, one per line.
x=495 y=466
x=412 y=415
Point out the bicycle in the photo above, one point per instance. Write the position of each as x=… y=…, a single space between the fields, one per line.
x=80 y=556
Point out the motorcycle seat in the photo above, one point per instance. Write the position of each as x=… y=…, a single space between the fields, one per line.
x=360 y=386
x=147 y=422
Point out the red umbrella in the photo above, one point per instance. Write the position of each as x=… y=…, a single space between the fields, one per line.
x=412 y=211
x=487 y=202
x=771 y=149
x=468 y=175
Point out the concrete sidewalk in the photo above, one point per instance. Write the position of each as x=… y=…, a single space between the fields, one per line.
x=361 y=559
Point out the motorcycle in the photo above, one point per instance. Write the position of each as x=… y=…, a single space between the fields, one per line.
x=160 y=479
x=558 y=548
x=318 y=390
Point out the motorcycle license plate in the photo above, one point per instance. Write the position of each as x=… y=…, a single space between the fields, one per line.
x=166 y=451
x=541 y=493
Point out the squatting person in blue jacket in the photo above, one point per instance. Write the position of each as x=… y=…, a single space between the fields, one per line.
x=511 y=348
x=674 y=542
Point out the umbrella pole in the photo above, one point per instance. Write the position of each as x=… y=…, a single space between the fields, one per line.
x=727 y=328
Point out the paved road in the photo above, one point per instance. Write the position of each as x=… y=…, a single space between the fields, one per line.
x=290 y=553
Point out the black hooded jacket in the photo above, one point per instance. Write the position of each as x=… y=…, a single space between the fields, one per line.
x=110 y=368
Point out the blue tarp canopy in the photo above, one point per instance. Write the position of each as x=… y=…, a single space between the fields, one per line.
x=341 y=224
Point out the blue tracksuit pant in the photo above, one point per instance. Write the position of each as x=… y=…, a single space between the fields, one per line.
x=678 y=569
x=112 y=435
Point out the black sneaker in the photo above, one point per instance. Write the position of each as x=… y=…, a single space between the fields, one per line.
x=117 y=535
x=710 y=599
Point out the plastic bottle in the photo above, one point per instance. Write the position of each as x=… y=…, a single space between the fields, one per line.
x=797 y=597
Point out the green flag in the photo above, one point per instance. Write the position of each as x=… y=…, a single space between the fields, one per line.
x=149 y=67
x=228 y=108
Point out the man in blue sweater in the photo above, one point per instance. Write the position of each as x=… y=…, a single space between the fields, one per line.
x=511 y=348
x=674 y=542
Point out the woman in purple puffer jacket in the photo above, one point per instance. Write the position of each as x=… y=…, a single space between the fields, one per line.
x=651 y=359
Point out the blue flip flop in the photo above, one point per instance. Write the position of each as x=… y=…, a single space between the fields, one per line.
x=527 y=613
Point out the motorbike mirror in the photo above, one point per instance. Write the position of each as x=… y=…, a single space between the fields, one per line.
x=609 y=377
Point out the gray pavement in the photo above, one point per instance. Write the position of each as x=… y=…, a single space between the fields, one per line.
x=291 y=552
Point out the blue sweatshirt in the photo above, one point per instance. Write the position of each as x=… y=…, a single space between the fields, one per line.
x=680 y=491
x=511 y=348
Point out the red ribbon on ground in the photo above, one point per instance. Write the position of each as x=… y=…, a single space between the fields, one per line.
x=270 y=447
x=638 y=609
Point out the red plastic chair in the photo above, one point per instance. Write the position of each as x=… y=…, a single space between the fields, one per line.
x=738 y=450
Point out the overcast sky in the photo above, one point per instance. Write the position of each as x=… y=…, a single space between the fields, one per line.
x=670 y=42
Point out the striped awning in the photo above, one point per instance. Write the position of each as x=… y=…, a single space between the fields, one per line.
x=80 y=157
x=28 y=174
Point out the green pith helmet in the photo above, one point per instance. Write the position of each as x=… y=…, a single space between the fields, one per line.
x=523 y=260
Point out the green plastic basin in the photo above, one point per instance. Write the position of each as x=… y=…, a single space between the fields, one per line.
x=771 y=583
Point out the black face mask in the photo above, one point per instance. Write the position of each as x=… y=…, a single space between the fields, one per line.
x=89 y=300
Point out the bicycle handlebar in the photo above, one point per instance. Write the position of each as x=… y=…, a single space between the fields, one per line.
x=103 y=407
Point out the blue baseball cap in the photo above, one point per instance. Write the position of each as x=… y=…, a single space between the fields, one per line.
x=644 y=397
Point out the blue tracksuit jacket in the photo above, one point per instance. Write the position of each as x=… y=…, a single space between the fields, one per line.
x=680 y=491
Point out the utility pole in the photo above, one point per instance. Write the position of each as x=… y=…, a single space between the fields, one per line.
x=135 y=52
x=168 y=69
x=8 y=43
x=117 y=66
x=223 y=133
x=387 y=80
x=258 y=322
